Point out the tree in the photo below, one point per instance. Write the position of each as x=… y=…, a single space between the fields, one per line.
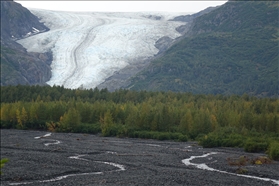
x=70 y=119
x=213 y=121
x=167 y=122
x=186 y=122
x=5 y=109
x=144 y=118
x=132 y=117
x=202 y=124
x=33 y=113
x=246 y=119
x=106 y=123
x=22 y=117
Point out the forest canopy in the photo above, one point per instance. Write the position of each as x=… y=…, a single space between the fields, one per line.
x=213 y=120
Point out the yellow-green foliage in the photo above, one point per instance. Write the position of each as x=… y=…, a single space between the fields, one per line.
x=273 y=150
x=231 y=121
x=106 y=124
x=2 y=163
x=70 y=119
x=241 y=171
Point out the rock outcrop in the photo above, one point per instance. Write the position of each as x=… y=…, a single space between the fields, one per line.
x=17 y=65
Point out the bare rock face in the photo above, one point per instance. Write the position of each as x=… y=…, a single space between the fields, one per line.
x=122 y=77
x=18 y=22
x=163 y=43
x=17 y=65
x=20 y=67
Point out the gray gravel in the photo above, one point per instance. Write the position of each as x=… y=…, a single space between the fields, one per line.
x=119 y=161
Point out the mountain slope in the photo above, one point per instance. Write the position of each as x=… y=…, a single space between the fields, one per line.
x=17 y=65
x=231 y=50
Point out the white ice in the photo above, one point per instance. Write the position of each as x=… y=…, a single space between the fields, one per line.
x=46 y=135
x=78 y=157
x=154 y=145
x=56 y=142
x=35 y=29
x=89 y=47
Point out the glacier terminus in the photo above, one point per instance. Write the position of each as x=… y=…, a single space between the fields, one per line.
x=89 y=47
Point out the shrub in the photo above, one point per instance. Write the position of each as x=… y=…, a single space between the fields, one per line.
x=240 y=161
x=6 y=125
x=253 y=145
x=2 y=163
x=273 y=150
x=111 y=131
x=241 y=171
x=261 y=160
x=157 y=135
x=178 y=136
x=209 y=141
x=182 y=138
x=163 y=136
x=88 y=128
x=233 y=140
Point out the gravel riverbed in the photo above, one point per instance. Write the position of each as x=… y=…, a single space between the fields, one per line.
x=43 y=158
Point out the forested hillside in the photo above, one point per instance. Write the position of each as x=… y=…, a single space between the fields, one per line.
x=234 y=121
x=231 y=50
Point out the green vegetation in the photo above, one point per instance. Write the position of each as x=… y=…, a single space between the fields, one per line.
x=231 y=50
x=273 y=150
x=2 y=163
x=229 y=121
x=9 y=68
x=244 y=161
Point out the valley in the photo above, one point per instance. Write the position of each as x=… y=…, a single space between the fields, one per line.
x=229 y=49
x=146 y=98
x=36 y=158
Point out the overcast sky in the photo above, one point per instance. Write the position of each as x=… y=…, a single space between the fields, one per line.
x=122 y=6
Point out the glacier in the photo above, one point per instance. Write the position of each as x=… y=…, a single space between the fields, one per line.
x=89 y=47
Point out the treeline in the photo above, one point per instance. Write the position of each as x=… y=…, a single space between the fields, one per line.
x=214 y=120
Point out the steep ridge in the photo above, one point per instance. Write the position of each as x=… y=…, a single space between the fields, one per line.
x=89 y=47
x=18 y=66
x=230 y=50
x=18 y=22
